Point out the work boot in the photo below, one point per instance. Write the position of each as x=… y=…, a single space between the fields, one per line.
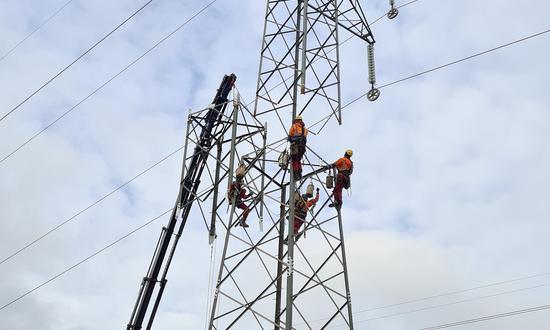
x=243 y=224
x=296 y=236
x=336 y=205
x=297 y=175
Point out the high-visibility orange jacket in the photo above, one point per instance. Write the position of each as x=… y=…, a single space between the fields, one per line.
x=298 y=129
x=344 y=164
x=312 y=201
x=301 y=208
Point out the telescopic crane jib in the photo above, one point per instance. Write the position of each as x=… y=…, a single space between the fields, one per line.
x=189 y=185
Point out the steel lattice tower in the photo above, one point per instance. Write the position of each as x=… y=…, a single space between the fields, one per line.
x=299 y=74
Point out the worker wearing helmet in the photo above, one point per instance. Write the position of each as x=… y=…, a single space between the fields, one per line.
x=343 y=180
x=239 y=194
x=297 y=135
x=301 y=208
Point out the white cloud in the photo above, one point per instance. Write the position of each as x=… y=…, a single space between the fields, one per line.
x=450 y=188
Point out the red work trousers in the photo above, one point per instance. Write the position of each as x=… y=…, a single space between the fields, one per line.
x=342 y=181
x=297 y=224
x=245 y=209
x=296 y=160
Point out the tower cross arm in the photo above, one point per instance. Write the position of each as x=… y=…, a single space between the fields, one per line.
x=349 y=15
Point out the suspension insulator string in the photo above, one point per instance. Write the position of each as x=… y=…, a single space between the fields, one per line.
x=374 y=92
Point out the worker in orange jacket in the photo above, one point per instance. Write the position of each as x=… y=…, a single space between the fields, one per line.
x=239 y=194
x=297 y=135
x=301 y=208
x=343 y=180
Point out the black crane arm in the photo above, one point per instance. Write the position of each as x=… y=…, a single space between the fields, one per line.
x=189 y=185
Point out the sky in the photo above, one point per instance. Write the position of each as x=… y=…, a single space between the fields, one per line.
x=450 y=188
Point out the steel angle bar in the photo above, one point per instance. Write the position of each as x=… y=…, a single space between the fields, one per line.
x=348 y=322
x=231 y=311
x=299 y=272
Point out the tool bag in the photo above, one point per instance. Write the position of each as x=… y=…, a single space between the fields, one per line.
x=344 y=179
x=294 y=148
x=231 y=192
x=297 y=142
x=241 y=171
x=283 y=160
x=329 y=182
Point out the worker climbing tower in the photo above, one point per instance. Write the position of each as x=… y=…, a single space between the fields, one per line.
x=269 y=278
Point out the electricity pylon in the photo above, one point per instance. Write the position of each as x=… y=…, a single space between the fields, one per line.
x=299 y=74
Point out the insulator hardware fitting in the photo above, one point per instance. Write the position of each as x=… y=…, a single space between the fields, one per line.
x=373 y=94
x=393 y=12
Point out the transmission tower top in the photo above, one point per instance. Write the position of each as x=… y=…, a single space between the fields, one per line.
x=300 y=58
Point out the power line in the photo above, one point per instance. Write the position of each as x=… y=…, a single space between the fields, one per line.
x=75 y=60
x=489 y=317
x=445 y=305
x=84 y=260
x=466 y=58
x=156 y=218
x=463 y=59
x=107 y=82
x=408 y=3
x=173 y=32
x=103 y=197
x=484 y=286
x=39 y=238
x=454 y=292
x=35 y=30
x=61 y=224
x=124 y=69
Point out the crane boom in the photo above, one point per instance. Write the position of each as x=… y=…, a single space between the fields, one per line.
x=189 y=185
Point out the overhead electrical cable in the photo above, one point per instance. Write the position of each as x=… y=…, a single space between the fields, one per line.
x=99 y=200
x=106 y=82
x=463 y=59
x=445 y=304
x=124 y=69
x=407 y=3
x=75 y=60
x=455 y=292
x=83 y=260
x=345 y=106
x=538 y=34
x=135 y=230
x=11 y=50
x=489 y=317
x=61 y=224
